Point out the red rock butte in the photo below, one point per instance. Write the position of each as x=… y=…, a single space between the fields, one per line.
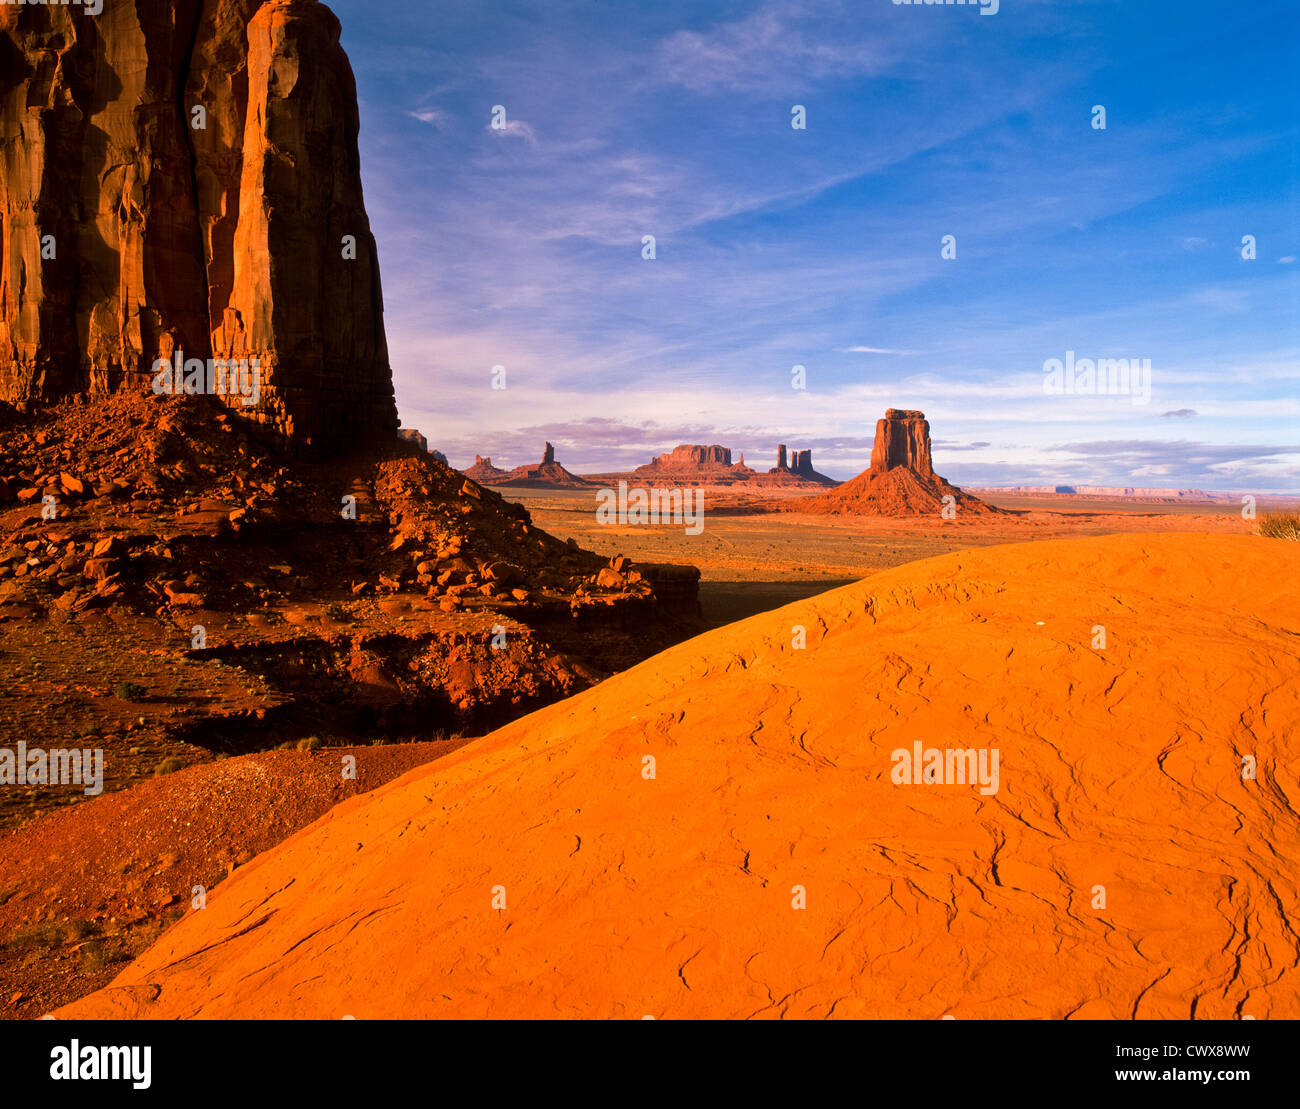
x=183 y=176
x=902 y=439
x=900 y=481
x=721 y=833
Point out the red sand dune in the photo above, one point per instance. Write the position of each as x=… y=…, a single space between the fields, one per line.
x=672 y=897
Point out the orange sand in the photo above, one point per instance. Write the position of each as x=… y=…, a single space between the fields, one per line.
x=672 y=897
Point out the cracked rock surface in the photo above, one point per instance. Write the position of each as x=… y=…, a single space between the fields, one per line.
x=1125 y=867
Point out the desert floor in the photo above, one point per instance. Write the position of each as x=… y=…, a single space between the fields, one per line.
x=752 y=563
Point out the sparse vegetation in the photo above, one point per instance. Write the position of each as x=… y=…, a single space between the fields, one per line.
x=99 y=954
x=31 y=936
x=1281 y=525
x=129 y=691
x=310 y=743
x=50 y=933
x=168 y=765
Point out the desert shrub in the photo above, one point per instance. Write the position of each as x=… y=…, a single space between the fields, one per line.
x=169 y=764
x=130 y=691
x=1281 y=525
x=309 y=744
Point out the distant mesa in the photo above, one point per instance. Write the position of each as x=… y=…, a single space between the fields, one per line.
x=1109 y=492
x=687 y=457
x=692 y=463
x=901 y=480
x=547 y=474
x=712 y=465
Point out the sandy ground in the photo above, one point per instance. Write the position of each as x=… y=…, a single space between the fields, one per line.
x=728 y=830
x=86 y=889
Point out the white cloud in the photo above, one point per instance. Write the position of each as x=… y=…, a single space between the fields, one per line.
x=518 y=129
x=435 y=117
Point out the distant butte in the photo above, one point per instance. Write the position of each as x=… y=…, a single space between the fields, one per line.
x=484 y=472
x=547 y=474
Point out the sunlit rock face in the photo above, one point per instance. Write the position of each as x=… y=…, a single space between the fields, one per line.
x=181 y=178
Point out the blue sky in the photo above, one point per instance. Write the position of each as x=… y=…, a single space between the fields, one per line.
x=821 y=247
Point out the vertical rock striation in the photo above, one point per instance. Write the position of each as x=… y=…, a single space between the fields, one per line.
x=183 y=176
x=902 y=439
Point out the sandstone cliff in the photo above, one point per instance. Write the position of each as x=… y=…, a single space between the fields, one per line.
x=182 y=175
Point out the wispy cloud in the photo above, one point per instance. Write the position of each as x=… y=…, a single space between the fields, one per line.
x=779 y=46
x=435 y=117
x=515 y=128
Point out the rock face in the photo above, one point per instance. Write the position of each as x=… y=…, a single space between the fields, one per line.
x=410 y=435
x=902 y=439
x=900 y=481
x=182 y=176
x=677 y=893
